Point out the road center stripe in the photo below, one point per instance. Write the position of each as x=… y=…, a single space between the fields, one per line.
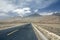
x=12 y=32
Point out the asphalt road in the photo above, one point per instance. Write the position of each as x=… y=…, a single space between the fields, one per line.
x=24 y=32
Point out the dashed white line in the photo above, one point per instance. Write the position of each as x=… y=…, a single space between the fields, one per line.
x=12 y=32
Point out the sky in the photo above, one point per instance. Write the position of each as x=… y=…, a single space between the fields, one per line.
x=27 y=7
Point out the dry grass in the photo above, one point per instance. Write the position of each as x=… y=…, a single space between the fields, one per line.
x=55 y=28
x=48 y=34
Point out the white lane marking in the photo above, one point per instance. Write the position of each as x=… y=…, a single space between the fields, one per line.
x=12 y=32
x=40 y=34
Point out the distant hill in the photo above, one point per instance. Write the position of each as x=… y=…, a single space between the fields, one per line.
x=56 y=14
x=40 y=19
x=33 y=15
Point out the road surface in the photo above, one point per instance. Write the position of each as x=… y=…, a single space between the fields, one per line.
x=24 y=32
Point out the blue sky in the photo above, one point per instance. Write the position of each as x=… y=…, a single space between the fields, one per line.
x=52 y=8
x=23 y=7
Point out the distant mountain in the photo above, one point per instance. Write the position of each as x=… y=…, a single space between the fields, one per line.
x=56 y=14
x=15 y=15
x=33 y=15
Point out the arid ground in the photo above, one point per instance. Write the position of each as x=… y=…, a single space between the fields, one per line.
x=50 y=23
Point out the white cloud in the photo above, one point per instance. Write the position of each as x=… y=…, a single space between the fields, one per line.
x=46 y=13
x=22 y=11
x=36 y=10
x=8 y=5
x=26 y=8
x=33 y=3
x=4 y=6
x=3 y=14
